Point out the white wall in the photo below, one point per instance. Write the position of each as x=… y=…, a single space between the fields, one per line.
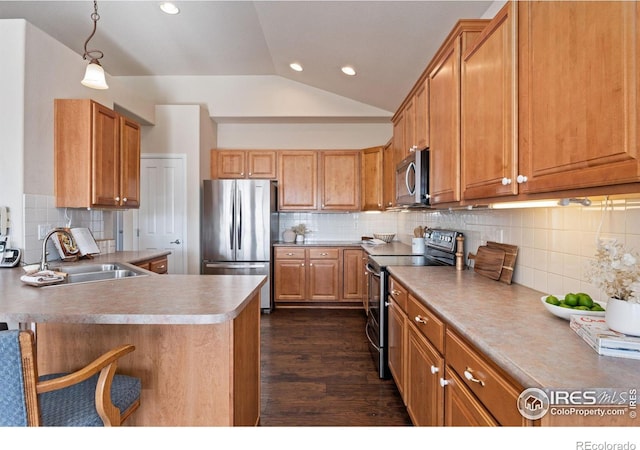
x=12 y=45
x=181 y=130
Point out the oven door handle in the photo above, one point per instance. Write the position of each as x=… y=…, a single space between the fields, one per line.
x=366 y=332
x=372 y=271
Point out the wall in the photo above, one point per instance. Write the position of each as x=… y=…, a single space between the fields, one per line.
x=555 y=244
x=37 y=69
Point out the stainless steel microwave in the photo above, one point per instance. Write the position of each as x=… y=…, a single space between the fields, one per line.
x=412 y=179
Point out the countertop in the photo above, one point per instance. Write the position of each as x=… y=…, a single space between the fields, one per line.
x=509 y=325
x=149 y=299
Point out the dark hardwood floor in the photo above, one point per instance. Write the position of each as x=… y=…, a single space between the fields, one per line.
x=317 y=371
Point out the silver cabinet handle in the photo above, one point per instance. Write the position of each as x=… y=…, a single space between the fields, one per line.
x=177 y=241
x=468 y=374
x=124 y=199
x=506 y=181
x=444 y=382
x=435 y=369
x=117 y=199
x=521 y=179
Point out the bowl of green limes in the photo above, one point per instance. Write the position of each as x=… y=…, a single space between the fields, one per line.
x=572 y=303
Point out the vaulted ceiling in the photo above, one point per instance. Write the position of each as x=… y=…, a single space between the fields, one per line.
x=387 y=42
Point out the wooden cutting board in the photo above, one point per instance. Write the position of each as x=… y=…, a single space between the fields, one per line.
x=510 y=255
x=488 y=261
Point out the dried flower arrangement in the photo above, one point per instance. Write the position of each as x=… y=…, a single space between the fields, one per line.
x=615 y=270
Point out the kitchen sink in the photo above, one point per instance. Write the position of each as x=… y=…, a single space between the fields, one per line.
x=97 y=272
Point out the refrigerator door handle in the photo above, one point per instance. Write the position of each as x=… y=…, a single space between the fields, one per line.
x=232 y=222
x=239 y=220
x=235 y=266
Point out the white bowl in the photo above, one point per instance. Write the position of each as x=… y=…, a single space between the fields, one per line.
x=566 y=313
x=387 y=237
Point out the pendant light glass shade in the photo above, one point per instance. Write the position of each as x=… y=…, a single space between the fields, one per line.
x=94 y=77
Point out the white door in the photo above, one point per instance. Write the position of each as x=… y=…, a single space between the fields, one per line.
x=162 y=213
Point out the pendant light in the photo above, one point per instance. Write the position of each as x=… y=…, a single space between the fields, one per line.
x=94 y=76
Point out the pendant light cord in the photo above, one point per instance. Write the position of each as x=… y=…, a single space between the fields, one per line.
x=94 y=55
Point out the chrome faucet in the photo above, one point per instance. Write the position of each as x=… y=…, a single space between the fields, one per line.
x=44 y=265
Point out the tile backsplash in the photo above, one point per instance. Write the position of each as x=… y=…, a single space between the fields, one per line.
x=555 y=245
x=40 y=210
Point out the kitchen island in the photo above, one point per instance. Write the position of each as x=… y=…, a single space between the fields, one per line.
x=197 y=338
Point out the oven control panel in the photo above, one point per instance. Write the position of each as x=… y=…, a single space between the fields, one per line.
x=441 y=239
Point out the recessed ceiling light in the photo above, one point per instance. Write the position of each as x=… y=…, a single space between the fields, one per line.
x=169 y=8
x=295 y=66
x=348 y=70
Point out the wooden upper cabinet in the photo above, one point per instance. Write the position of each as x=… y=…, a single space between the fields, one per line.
x=489 y=111
x=444 y=112
x=398 y=141
x=96 y=156
x=339 y=174
x=297 y=180
x=409 y=112
x=388 y=176
x=578 y=94
x=252 y=164
x=130 y=167
x=421 y=116
x=372 y=186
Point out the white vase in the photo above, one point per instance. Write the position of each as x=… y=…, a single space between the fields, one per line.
x=289 y=235
x=299 y=238
x=623 y=317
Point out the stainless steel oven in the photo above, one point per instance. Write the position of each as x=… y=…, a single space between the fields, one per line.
x=440 y=251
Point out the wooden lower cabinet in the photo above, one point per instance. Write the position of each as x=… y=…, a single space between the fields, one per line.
x=425 y=365
x=442 y=379
x=310 y=275
x=396 y=338
x=158 y=265
x=461 y=408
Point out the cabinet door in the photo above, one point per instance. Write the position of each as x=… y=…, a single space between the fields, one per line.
x=289 y=279
x=323 y=279
x=105 y=165
x=130 y=163
x=297 y=180
x=488 y=111
x=389 y=176
x=424 y=395
x=421 y=128
x=409 y=128
x=462 y=409
x=578 y=94
x=396 y=341
x=398 y=141
x=372 y=184
x=340 y=180
x=444 y=126
x=444 y=113
x=262 y=165
x=230 y=163
x=352 y=274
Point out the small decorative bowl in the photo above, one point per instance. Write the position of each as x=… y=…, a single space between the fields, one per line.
x=387 y=237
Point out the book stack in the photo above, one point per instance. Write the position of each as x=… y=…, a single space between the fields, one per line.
x=594 y=331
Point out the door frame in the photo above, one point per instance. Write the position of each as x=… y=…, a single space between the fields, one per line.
x=136 y=212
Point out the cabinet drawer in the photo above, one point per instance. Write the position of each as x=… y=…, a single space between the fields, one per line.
x=498 y=394
x=159 y=265
x=289 y=252
x=425 y=321
x=323 y=253
x=398 y=293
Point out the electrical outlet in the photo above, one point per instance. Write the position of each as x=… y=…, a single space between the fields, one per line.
x=43 y=230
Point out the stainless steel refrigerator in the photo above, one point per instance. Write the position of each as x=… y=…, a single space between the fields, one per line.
x=239 y=226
